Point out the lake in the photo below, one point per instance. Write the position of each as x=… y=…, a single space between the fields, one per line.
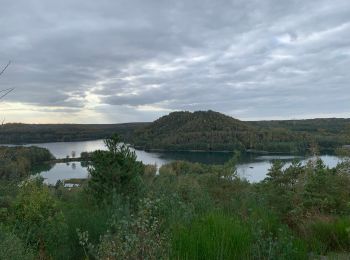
x=252 y=167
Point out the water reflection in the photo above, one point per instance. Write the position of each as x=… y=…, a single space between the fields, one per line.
x=62 y=171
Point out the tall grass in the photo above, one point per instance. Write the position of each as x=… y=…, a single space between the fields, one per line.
x=214 y=236
x=81 y=214
x=328 y=236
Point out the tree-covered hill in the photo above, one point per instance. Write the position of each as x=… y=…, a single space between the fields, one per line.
x=194 y=131
x=213 y=131
x=201 y=130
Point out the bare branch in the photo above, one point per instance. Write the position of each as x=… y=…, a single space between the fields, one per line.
x=7 y=91
x=3 y=70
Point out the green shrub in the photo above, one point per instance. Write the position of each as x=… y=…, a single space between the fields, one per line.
x=37 y=219
x=18 y=162
x=131 y=236
x=271 y=238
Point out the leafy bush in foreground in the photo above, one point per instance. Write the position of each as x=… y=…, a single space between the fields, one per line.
x=37 y=219
x=11 y=247
x=131 y=236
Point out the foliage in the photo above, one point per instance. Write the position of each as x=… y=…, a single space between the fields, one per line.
x=131 y=236
x=81 y=212
x=197 y=131
x=303 y=191
x=37 y=219
x=212 y=131
x=328 y=133
x=115 y=171
x=17 y=162
x=16 y=133
x=328 y=234
x=193 y=211
x=11 y=247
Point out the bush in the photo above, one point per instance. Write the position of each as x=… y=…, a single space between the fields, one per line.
x=38 y=220
x=11 y=247
x=131 y=236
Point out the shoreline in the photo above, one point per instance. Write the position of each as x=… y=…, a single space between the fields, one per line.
x=207 y=151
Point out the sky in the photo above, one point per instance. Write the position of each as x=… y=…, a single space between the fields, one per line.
x=114 y=61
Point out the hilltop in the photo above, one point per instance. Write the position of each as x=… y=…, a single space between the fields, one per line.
x=213 y=131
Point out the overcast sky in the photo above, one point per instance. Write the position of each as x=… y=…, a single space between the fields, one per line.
x=113 y=61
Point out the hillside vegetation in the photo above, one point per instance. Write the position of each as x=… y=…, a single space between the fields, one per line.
x=19 y=162
x=328 y=133
x=201 y=130
x=213 y=131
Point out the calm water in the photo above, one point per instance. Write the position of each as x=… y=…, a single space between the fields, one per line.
x=251 y=167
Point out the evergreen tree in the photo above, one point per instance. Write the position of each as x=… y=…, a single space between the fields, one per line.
x=115 y=171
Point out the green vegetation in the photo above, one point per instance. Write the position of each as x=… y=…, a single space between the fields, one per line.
x=201 y=130
x=328 y=133
x=115 y=171
x=187 y=211
x=19 y=162
x=194 y=131
x=34 y=133
x=212 y=131
x=215 y=236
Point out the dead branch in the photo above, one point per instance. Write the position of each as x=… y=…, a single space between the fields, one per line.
x=3 y=70
x=5 y=92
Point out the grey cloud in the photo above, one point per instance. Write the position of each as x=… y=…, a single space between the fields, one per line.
x=247 y=58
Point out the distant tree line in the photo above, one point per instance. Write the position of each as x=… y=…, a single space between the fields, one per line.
x=202 y=130
x=16 y=133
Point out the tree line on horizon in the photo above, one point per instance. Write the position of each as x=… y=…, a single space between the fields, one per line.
x=202 y=130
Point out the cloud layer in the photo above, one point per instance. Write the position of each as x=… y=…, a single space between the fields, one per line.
x=134 y=60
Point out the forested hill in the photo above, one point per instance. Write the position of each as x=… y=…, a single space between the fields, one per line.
x=40 y=133
x=202 y=130
x=213 y=131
